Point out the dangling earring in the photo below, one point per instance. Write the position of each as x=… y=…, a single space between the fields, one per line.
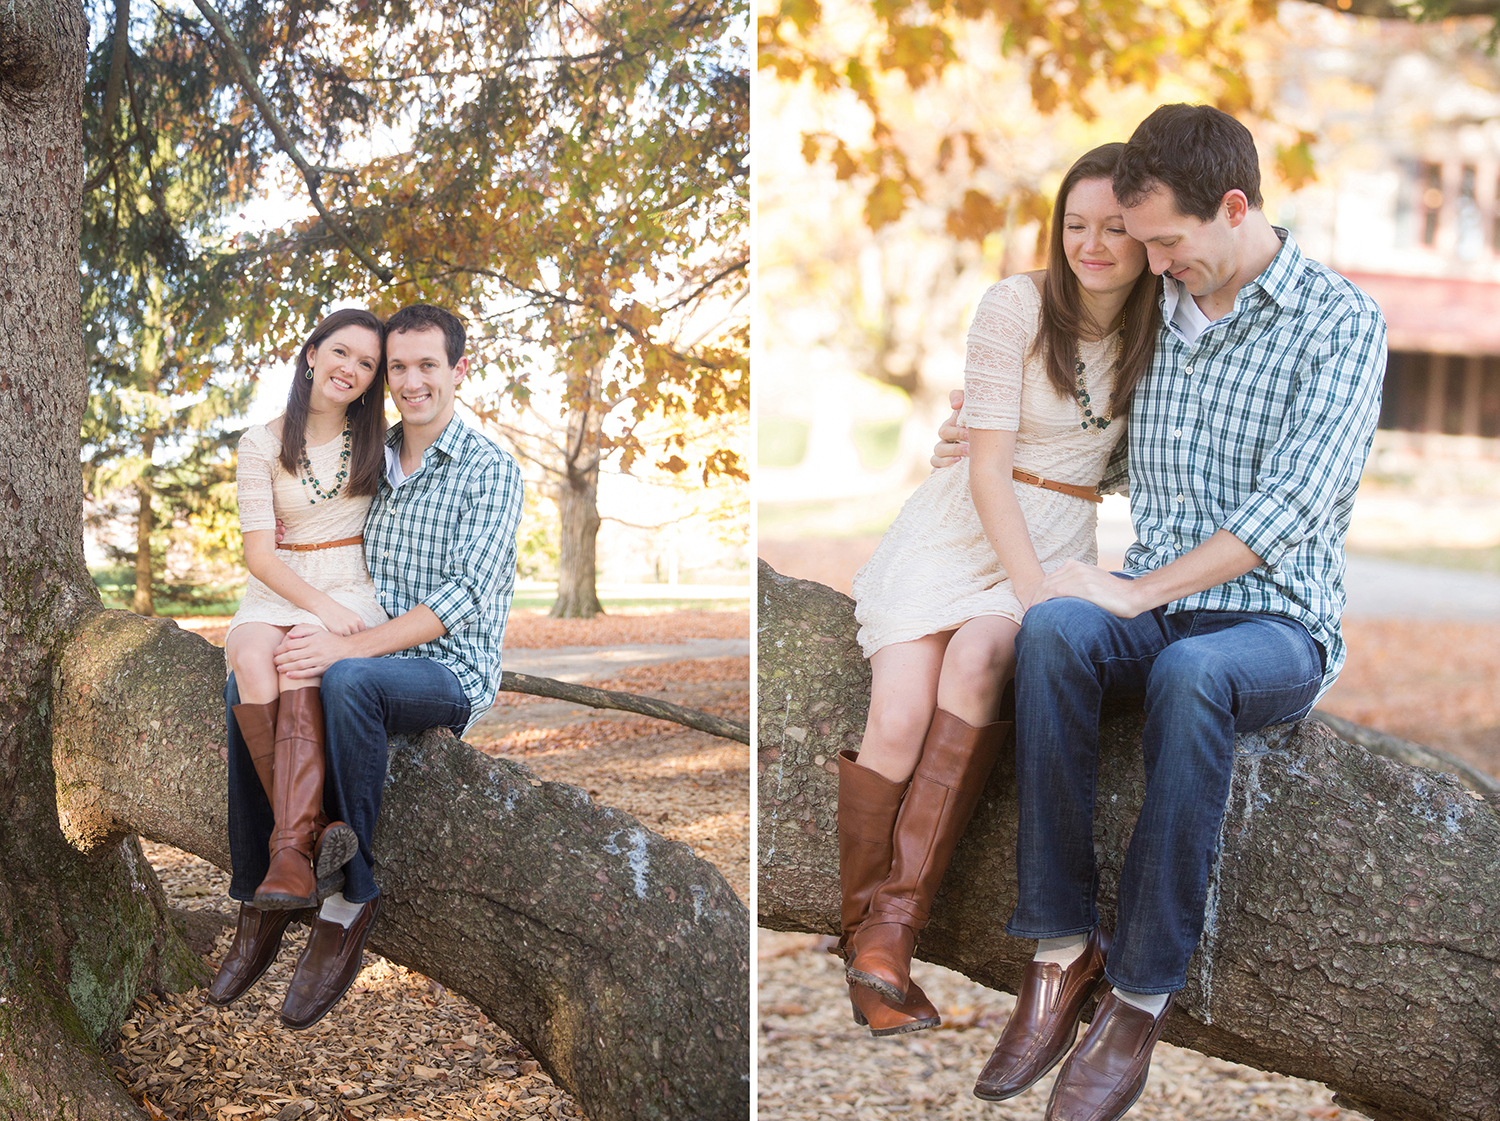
x=308 y=375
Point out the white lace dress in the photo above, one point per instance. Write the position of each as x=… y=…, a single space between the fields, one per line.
x=266 y=491
x=934 y=569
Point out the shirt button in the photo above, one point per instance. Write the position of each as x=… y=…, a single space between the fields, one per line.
x=1181 y=499
x=1176 y=433
x=1190 y=371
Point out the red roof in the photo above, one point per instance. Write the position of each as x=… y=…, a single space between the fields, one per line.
x=1436 y=314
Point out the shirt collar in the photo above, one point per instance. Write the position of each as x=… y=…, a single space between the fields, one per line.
x=447 y=443
x=1280 y=277
x=1278 y=280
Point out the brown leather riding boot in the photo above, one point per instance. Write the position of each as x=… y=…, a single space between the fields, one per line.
x=258 y=727
x=956 y=762
x=297 y=800
x=334 y=843
x=868 y=804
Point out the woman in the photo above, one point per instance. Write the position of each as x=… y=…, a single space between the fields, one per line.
x=1052 y=360
x=315 y=467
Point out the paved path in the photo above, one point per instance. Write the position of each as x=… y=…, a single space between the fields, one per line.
x=1379 y=588
x=584 y=663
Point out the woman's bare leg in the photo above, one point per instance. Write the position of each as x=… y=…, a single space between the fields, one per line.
x=903 y=692
x=979 y=660
x=250 y=647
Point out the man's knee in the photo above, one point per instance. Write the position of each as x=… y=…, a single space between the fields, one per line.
x=1066 y=623
x=1191 y=673
x=347 y=685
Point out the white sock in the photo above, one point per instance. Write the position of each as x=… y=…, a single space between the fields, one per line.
x=338 y=909
x=1064 y=951
x=1146 y=1002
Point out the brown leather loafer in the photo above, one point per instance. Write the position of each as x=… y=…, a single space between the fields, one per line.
x=327 y=968
x=257 y=938
x=1104 y=1077
x=1044 y=1024
x=873 y=1011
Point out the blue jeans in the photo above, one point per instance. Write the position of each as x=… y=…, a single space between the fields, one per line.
x=364 y=701
x=1205 y=675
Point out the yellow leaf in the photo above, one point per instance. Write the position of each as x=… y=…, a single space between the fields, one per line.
x=1295 y=164
x=885 y=203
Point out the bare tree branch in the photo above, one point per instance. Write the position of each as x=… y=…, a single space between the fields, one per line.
x=1412 y=10
x=312 y=174
x=626 y=702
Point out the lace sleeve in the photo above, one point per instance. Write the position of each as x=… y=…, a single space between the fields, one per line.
x=1002 y=331
x=254 y=471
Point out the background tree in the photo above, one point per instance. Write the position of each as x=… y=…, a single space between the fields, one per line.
x=571 y=178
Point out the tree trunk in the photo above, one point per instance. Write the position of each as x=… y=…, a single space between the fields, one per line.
x=619 y=958
x=1353 y=931
x=578 y=504
x=145 y=523
x=80 y=933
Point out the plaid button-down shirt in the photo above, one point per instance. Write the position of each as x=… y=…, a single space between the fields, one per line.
x=447 y=538
x=1261 y=427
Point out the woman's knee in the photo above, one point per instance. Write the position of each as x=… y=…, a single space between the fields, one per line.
x=898 y=719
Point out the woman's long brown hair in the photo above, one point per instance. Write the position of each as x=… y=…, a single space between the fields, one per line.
x=1064 y=319
x=366 y=415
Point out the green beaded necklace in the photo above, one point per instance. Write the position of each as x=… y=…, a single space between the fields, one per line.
x=304 y=466
x=1081 y=391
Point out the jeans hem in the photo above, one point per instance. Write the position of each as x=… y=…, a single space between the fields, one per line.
x=1147 y=990
x=1068 y=933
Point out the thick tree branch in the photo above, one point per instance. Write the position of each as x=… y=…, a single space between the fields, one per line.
x=1353 y=916
x=626 y=702
x=1405 y=751
x=312 y=174
x=1413 y=11
x=619 y=958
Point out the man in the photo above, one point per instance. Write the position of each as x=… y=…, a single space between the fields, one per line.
x=1247 y=439
x=440 y=545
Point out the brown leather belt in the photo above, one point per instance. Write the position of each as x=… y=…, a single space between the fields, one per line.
x=1047 y=484
x=324 y=544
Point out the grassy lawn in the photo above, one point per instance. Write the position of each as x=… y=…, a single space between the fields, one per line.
x=117 y=589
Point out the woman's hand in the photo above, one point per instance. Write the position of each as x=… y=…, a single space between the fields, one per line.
x=1026 y=592
x=340 y=620
x=953 y=438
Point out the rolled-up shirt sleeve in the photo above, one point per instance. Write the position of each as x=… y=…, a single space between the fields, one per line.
x=1332 y=418
x=482 y=553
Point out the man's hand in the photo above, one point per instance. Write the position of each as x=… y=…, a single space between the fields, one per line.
x=953 y=438
x=280 y=532
x=308 y=651
x=1115 y=594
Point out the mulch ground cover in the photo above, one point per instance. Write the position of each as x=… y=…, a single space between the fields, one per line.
x=400 y=1045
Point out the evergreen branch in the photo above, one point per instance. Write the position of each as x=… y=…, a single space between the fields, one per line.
x=112 y=93
x=626 y=702
x=312 y=174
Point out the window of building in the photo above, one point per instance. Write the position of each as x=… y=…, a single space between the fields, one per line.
x=1470 y=240
x=1432 y=201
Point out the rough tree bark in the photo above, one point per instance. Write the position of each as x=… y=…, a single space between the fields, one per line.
x=554 y=914
x=1353 y=930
